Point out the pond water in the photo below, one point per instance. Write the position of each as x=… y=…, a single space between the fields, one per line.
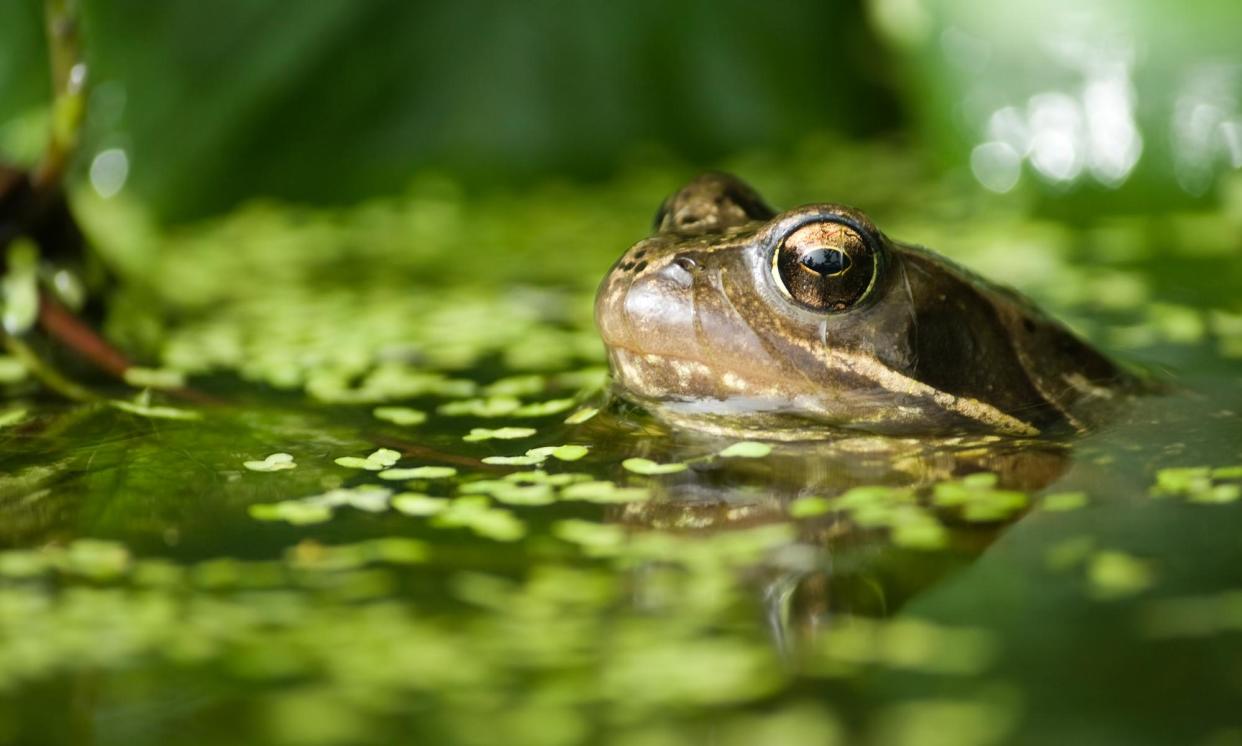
x=412 y=514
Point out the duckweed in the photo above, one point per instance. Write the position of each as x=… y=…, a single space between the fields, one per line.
x=582 y=415
x=418 y=472
x=155 y=378
x=978 y=498
x=1114 y=574
x=503 y=433
x=809 y=506
x=413 y=503
x=905 y=643
x=646 y=467
x=400 y=415
x=272 y=462
x=376 y=461
x=603 y=491
x=475 y=514
x=1199 y=484
x=571 y=452
x=746 y=449
x=1059 y=502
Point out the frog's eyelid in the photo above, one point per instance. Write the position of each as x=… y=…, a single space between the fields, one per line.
x=661 y=213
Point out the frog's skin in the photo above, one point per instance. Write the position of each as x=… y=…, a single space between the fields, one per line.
x=702 y=329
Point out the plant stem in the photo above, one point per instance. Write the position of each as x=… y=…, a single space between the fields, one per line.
x=46 y=374
x=68 y=92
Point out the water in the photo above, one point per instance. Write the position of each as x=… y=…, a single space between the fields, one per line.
x=157 y=587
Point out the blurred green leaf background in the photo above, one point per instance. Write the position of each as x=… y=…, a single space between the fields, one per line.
x=1117 y=106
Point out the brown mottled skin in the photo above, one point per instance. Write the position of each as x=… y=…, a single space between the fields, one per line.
x=700 y=329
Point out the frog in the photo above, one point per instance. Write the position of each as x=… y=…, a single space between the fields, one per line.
x=735 y=318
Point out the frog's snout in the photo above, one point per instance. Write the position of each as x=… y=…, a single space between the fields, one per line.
x=647 y=301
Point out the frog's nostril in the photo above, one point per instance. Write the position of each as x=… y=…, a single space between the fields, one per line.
x=680 y=271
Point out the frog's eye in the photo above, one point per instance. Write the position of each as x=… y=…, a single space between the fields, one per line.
x=825 y=266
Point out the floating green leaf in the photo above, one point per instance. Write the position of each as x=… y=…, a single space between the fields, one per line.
x=377 y=460
x=560 y=453
x=502 y=433
x=513 y=460
x=413 y=503
x=495 y=406
x=400 y=415
x=809 y=506
x=544 y=408
x=1115 y=574
x=273 y=462
x=291 y=511
x=419 y=472
x=746 y=449
x=600 y=491
x=155 y=378
x=1063 y=501
x=581 y=416
x=647 y=467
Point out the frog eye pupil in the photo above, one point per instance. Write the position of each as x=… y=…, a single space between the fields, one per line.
x=825 y=261
x=826 y=265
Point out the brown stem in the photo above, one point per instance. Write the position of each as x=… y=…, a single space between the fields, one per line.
x=71 y=331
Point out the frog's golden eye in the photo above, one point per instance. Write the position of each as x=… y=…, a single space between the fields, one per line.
x=825 y=266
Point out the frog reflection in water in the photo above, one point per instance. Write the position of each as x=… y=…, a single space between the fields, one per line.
x=734 y=318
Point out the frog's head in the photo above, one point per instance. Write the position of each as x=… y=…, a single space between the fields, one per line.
x=734 y=317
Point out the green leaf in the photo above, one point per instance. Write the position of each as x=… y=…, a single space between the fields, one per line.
x=560 y=453
x=19 y=288
x=274 y=462
x=354 y=462
x=413 y=503
x=544 y=408
x=604 y=492
x=1063 y=501
x=581 y=416
x=647 y=467
x=513 y=460
x=809 y=506
x=419 y=472
x=501 y=433
x=155 y=378
x=400 y=415
x=747 y=449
